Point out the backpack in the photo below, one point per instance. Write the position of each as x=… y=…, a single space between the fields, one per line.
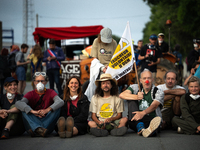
x=11 y=62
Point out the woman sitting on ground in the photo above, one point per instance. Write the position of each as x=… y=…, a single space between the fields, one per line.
x=74 y=113
x=10 y=122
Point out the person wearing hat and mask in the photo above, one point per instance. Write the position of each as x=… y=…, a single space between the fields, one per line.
x=52 y=57
x=150 y=56
x=144 y=115
x=11 y=123
x=106 y=108
x=193 y=56
x=104 y=47
x=40 y=107
x=162 y=45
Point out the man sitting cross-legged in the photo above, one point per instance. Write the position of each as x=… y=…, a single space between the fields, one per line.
x=172 y=98
x=106 y=108
x=144 y=106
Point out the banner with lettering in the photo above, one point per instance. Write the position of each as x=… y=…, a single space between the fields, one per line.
x=123 y=57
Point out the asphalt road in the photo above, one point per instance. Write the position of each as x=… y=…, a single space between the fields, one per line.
x=166 y=140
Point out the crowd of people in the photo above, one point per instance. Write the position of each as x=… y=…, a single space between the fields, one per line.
x=70 y=112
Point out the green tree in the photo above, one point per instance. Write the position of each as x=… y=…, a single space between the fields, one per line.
x=184 y=15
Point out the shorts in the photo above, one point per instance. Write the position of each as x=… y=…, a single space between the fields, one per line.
x=21 y=73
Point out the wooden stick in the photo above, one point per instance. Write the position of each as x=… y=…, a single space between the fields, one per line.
x=136 y=74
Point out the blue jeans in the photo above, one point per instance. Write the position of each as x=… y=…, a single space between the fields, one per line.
x=54 y=76
x=48 y=122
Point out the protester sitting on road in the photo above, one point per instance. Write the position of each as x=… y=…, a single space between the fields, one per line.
x=189 y=122
x=74 y=113
x=40 y=107
x=172 y=98
x=10 y=118
x=144 y=105
x=106 y=108
x=104 y=47
x=150 y=56
x=193 y=72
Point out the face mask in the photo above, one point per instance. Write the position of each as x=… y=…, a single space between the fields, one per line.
x=195 y=45
x=40 y=87
x=194 y=97
x=73 y=97
x=160 y=41
x=10 y=96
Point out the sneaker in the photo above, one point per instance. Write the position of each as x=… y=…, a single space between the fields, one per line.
x=154 y=124
x=41 y=131
x=5 y=133
x=61 y=127
x=119 y=131
x=69 y=127
x=98 y=132
x=179 y=130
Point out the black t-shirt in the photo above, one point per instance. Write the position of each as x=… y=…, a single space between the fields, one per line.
x=191 y=58
x=156 y=54
x=164 y=47
x=5 y=104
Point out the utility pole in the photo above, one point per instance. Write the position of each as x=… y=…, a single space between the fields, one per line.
x=28 y=11
x=36 y=20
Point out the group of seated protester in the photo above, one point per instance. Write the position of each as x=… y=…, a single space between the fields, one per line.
x=150 y=108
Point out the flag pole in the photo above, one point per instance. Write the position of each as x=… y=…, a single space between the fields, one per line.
x=136 y=74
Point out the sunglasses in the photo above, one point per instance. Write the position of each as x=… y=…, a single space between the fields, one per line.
x=40 y=73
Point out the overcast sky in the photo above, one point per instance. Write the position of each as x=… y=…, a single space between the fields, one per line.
x=65 y=13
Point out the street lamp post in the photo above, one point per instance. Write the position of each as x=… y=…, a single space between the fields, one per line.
x=169 y=24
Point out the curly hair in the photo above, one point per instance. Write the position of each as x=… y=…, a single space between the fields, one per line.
x=113 y=90
x=37 y=51
x=66 y=91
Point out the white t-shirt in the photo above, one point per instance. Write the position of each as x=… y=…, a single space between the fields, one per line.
x=168 y=104
x=106 y=107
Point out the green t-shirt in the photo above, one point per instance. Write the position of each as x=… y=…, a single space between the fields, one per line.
x=146 y=102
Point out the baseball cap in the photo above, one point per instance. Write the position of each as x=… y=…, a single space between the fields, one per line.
x=9 y=80
x=153 y=37
x=106 y=35
x=161 y=34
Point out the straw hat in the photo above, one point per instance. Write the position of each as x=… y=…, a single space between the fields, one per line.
x=105 y=77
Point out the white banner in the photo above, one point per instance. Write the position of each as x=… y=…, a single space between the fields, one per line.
x=123 y=58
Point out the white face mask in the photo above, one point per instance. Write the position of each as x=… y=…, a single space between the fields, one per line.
x=73 y=97
x=194 y=97
x=40 y=87
x=160 y=41
x=10 y=96
x=195 y=45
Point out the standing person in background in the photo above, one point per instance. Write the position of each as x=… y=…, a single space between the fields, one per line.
x=161 y=44
x=150 y=56
x=4 y=67
x=35 y=56
x=53 y=56
x=74 y=113
x=137 y=52
x=14 y=49
x=193 y=56
x=21 y=68
x=104 y=47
